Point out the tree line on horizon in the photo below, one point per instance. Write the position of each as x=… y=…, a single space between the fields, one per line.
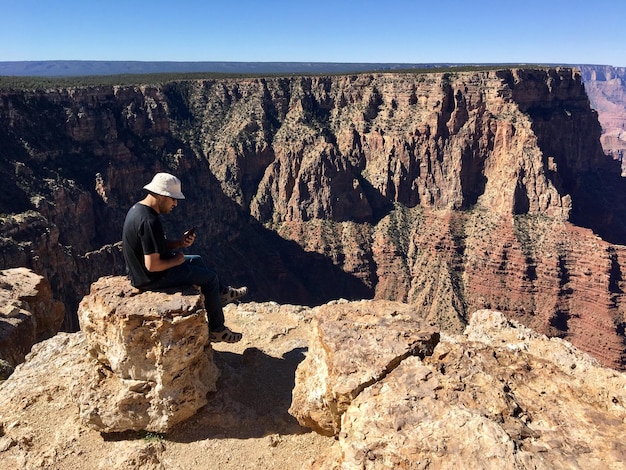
x=41 y=83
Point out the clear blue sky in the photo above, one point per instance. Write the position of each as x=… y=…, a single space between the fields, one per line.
x=465 y=31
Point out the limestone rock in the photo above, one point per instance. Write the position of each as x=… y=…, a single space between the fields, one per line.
x=45 y=377
x=153 y=367
x=28 y=313
x=353 y=346
x=498 y=397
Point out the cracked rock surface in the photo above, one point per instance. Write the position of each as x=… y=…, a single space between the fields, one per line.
x=355 y=345
x=498 y=396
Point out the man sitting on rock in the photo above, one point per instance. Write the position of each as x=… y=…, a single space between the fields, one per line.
x=152 y=264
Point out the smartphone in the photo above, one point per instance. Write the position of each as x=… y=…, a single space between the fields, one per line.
x=190 y=232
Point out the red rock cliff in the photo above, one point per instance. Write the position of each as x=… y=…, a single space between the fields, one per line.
x=452 y=191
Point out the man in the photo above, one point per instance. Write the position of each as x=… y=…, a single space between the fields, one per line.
x=152 y=262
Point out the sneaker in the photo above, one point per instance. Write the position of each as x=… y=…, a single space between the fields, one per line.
x=230 y=294
x=225 y=336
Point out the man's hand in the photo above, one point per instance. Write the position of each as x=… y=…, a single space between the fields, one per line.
x=188 y=238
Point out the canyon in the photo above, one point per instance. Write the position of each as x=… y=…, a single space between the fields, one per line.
x=606 y=87
x=450 y=191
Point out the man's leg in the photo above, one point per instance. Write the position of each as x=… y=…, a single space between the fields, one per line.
x=210 y=286
x=194 y=272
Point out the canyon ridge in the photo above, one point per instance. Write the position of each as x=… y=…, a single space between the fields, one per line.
x=452 y=191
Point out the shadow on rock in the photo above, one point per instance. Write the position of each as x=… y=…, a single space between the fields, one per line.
x=252 y=399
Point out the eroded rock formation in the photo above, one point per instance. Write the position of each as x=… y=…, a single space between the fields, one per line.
x=355 y=346
x=606 y=87
x=28 y=313
x=452 y=191
x=498 y=396
x=152 y=364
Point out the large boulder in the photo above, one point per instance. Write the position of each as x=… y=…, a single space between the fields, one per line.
x=498 y=396
x=354 y=345
x=28 y=314
x=153 y=365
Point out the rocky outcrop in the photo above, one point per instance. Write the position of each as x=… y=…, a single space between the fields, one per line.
x=498 y=396
x=355 y=346
x=152 y=366
x=28 y=313
x=245 y=423
x=453 y=191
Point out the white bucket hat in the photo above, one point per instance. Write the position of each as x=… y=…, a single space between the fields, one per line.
x=165 y=185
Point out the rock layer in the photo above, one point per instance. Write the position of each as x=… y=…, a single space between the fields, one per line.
x=454 y=191
x=606 y=87
x=152 y=364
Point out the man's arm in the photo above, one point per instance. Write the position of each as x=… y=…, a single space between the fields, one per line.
x=154 y=263
x=185 y=242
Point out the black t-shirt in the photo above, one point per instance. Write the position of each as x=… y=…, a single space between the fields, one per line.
x=142 y=235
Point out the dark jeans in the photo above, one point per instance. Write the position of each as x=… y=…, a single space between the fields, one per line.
x=194 y=272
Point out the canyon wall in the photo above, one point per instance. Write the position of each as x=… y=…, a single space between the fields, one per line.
x=449 y=191
x=606 y=87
